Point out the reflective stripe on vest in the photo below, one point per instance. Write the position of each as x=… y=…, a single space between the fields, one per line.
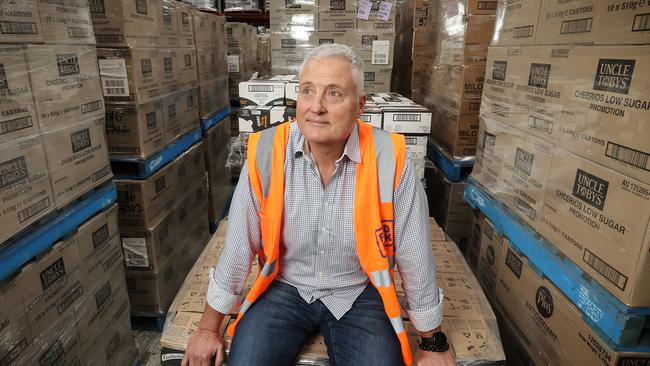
x=383 y=156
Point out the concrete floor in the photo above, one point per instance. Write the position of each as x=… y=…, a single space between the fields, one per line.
x=148 y=343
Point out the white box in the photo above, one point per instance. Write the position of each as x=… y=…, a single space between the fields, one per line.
x=261 y=92
x=407 y=119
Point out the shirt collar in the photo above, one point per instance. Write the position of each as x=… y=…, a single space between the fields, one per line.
x=351 y=150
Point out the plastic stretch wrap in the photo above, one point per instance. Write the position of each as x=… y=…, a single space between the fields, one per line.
x=217 y=142
x=241 y=5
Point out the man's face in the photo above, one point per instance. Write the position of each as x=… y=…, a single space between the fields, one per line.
x=328 y=103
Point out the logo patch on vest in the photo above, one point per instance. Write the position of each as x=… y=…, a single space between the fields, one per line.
x=384 y=237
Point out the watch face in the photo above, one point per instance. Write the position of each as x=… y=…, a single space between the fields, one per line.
x=439 y=339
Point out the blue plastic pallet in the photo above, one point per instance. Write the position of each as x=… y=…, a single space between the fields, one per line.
x=139 y=168
x=216 y=117
x=623 y=326
x=455 y=169
x=40 y=236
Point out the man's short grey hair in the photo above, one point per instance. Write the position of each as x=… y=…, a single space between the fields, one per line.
x=338 y=50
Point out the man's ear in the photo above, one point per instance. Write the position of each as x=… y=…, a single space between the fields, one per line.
x=362 y=104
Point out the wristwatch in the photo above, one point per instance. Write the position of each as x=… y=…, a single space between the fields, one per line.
x=436 y=343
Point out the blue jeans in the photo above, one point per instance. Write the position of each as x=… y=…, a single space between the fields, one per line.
x=274 y=328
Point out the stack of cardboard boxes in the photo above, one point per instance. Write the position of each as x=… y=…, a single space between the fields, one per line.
x=242 y=55
x=163 y=72
x=70 y=302
x=263 y=54
x=369 y=29
x=267 y=102
x=564 y=143
x=241 y=5
x=469 y=322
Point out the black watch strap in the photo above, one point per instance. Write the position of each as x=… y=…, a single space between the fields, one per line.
x=436 y=343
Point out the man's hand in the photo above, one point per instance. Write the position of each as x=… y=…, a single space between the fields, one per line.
x=426 y=358
x=202 y=348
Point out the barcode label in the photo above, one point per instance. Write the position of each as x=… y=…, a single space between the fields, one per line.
x=474 y=106
x=233 y=63
x=91 y=107
x=576 y=26
x=522 y=32
x=407 y=117
x=260 y=88
x=633 y=157
x=101 y=173
x=641 y=23
x=115 y=82
x=383 y=25
x=540 y=124
x=15 y=125
x=487 y=5
x=34 y=209
x=18 y=28
x=115 y=92
x=109 y=38
x=525 y=208
x=380 y=52
x=344 y=25
x=500 y=110
x=79 y=32
x=365 y=118
x=135 y=252
x=612 y=275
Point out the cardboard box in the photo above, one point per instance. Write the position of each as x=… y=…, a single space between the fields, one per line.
x=66 y=22
x=204 y=57
x=213 y=96
x=126 y=23
x=293 y=15
x=339 y=15
x=153 y=290
x=52 y=285
x=376 y=79
x=169 y=27
x=258 y=118
x=288 y=50
x=319 y=38
x=60 y=343
x=456 y=134
x=131 y=76
x=261 y=92
x=187 y=68
x=20 y=23
x=25 y=189
x=556 y=329
x=117 y=346
x=15 y=335
x=180 y=114
x=492 y=249
x=407 y=119
x=17 y=112
x=471 y=29
x=459 y=88
x=170 y=69
x=493 y=142
x=448 y=207
x=190 y=167
x=135 y=131
x=568 y=23
x=373 y=116
x=99 y=246
x=454 y=51
x=216 y=153
x=374 y=48
x=150 y=248
x=185 y=26
x=205 y=25
x=77 y=158
x=586 y=208
x=517 y=23
x=143 y=202
x=65 y=84
x=620 y=24
x=376 y=24
x=503 y=71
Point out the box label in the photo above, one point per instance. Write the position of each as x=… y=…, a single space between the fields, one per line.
x=115 y=81
x=544 y=302
x=384 y=10
x=100 y=236
x=364 y=9
x=539 y=74
x=499 y=70
x=52 y=274
x=614 y=75
x=103 y=294
x=590 y=189
x=514 y=263
x=80 y=140
x=135 y=252
x=233 y=63
x=67 y=64
x=380 y=52
x=13 y=171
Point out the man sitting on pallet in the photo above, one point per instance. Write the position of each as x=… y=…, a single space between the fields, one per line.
x=329 y=204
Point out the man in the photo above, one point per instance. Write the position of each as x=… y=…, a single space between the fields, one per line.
x=330 y=205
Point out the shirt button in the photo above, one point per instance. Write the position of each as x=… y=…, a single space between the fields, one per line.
x=320 y=274
x=324 y=229
x=322 y=252
x=327 y=203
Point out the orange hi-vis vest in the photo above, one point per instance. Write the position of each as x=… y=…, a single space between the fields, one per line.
x=383 y=156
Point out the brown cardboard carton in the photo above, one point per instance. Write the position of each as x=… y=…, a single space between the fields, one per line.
x=15 y=335
x=189 y=168
x=449 y=208
x=586 y=208
x=457 y=134
x=131 y=76
x=58 y=344
x=187 y=68
x=135 y=131
x=126 y=23
x=607 y=94
x=153 y=290
x=185 y=26
x=205 y=25
x=568 y=23
x=99 y=246
x=170 y=69
x=472 y=29
x=65 y=84
x=25 y=189
x=216 y=153
x=454 y=51
x=517 y=23
x=149 y=248
x=558 y=333
x=66 y=22
x=376 y=24
x=106 y=300
x=143 y=202
x=17 y=112
x=492 y=249
x=205 y=69
x=288 y=49
x=493 y=142
x=117 y=345
x=180 y=114
x=318 y=38
x=52 y=285
x=620 y=24
x=376 y=79
x=169 y=28
x=339 y=15
x=375 y=49
x=213 y=96
x=459 y=88
x=504 y=70
x=77 y=159
x=294 y=15
x=20 y=22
